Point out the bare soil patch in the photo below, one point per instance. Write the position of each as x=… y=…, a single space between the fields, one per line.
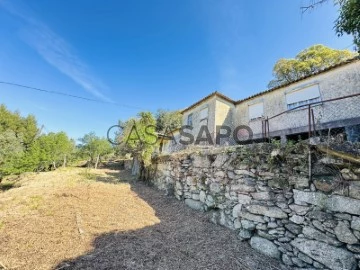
x=80 y=219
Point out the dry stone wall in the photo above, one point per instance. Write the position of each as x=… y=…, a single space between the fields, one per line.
x=263 y=193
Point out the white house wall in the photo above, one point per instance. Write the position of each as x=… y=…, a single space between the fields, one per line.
x=224 y=116
x=211 y=104
x=339 y=82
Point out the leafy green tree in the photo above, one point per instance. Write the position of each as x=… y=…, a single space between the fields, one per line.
x=17 y=135
x=349 y=20
x=53 y=148
x=95 y=147
x=308 y=61
x=139 y=138
x=168 y=120
x=24 y=128
x=22 y=148
x=9 y=145
x=11 y=150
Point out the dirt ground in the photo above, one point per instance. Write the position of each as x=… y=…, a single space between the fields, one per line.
x=102 y=219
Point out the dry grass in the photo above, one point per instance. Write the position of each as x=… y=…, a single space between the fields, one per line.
x=81 y=219
x=56 y=215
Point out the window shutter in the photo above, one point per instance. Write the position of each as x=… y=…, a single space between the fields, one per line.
x=204 y=113
x=256 y=110
x=301 y=96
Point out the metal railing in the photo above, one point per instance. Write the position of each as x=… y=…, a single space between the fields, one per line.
x=352 y=109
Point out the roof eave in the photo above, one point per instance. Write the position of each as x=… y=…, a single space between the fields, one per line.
x=206 y=98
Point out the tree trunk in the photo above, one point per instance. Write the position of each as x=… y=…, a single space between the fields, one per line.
x=142 y=171
x=97 y=161
x=54 y=165
x=135 y=170
x=64 y=164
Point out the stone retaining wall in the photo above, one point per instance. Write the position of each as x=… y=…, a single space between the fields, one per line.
x=263 y=193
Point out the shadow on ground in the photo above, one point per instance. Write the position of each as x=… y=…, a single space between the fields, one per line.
x=9 y=183
x=184 y=239
x=6 y=186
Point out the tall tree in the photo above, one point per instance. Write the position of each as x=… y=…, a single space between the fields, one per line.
x=308 y=61
x=139 y=139
x=11 y=150
x=24 y=128
x=95 y=147
x=53 y=148
x=17 y=136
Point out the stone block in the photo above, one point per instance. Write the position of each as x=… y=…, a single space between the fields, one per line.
x=332 y=257
x=334 y=203
x=244 y=234
x=244 y=199
x=252 y=217
x=354 y=190
x=299 y=209
x=196 y=205
x=299 y=182
x=344 y=234
x=248 y=225
x=261 y=196
x=297 y=219
x=355 y=223
x=324 y=184
x=237 y=210
x=312 y=233
x=265 y=247
x=274 y=212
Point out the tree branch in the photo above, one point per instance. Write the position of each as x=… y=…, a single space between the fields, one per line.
x=312 y=5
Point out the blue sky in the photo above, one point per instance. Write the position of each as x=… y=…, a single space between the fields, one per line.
x=146 y=54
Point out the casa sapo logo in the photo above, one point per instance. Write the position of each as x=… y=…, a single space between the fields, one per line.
x=187 y=135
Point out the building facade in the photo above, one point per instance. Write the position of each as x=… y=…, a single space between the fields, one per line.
x=333 y=96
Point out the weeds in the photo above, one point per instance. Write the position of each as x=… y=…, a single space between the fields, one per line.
x=35 y=202
x=88 y=175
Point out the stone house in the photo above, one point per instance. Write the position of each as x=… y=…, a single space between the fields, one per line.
x=285 y=107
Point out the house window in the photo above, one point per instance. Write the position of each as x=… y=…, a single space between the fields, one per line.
x=204 y=113
x=190 y=119
x=256 y=111
x=304 y=96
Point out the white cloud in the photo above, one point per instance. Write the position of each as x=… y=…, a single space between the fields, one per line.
x=55 y=50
